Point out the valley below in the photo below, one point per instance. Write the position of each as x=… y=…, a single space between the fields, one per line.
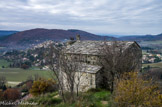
x=27 y=47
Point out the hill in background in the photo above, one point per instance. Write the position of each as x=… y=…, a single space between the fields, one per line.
x=39 y=35
x=6 y=33
x=142 y=38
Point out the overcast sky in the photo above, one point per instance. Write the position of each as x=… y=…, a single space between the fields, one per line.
x=96 y=16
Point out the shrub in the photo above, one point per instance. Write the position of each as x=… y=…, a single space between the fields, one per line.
x=29 y=85
x=133 y=90
x=11 y=94
x=43 y=86
x=26 y=87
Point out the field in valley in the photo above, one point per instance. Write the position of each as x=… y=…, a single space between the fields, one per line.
x=17 y=75
x=159 y=65
x=152 y=44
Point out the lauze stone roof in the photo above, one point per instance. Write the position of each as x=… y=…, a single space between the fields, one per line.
x=92 y=47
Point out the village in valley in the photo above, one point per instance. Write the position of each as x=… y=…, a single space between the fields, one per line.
x=151 y=57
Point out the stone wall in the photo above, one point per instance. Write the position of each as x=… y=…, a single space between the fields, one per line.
x=136 y=53
x=85 y=80
x=89 y=59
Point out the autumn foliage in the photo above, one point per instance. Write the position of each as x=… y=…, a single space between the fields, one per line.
x=132 y=90
x=42 y=86
x=11 y=94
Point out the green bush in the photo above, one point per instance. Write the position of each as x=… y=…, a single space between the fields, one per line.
x=103 y=95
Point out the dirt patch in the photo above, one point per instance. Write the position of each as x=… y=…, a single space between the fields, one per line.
x=14 y=83
x=104 y=102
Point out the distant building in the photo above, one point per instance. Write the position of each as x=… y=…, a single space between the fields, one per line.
x=88 y=53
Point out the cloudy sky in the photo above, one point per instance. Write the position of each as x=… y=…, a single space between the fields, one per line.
x=96 y=16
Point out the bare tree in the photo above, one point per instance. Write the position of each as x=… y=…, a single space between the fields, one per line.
x=117 y=58
x=52 y=59
x=71 y=71
x=66 y=70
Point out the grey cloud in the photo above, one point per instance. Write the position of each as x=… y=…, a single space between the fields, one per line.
x=98 y=16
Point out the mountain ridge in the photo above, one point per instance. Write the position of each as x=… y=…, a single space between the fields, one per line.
x=142 y=38
x=38 y=35
x=7 y=32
